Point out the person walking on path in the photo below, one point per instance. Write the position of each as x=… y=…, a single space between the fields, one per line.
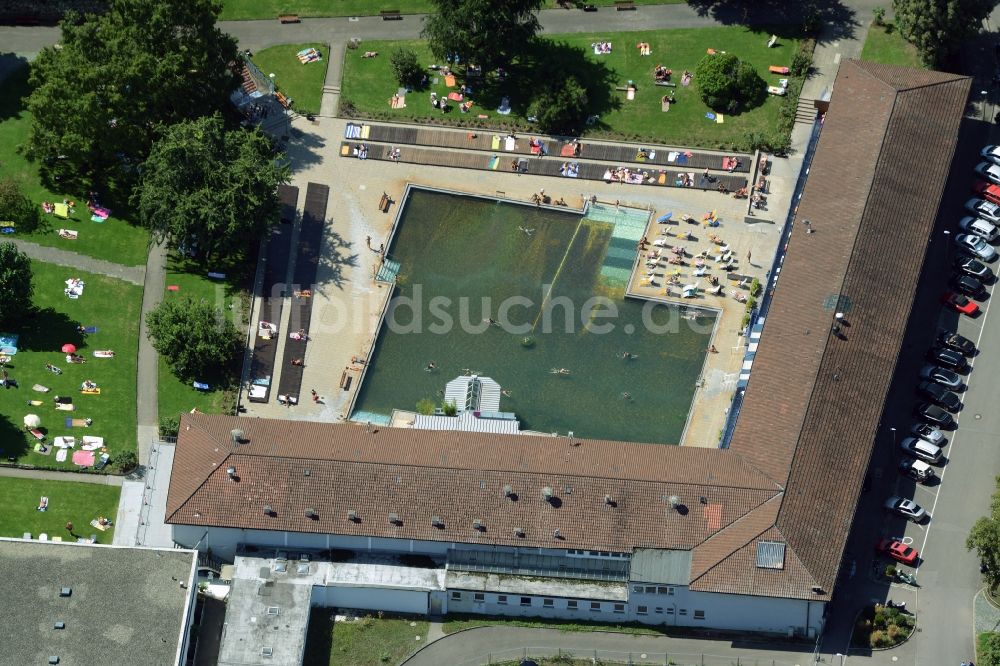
x=368 y=241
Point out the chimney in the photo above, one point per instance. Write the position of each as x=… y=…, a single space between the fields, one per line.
x=508 y=491
x=237 y=435
x=311 y=513
x=674 y=501
x=231 y=471
x=394 y=519
x=477 y=525
x=437 y=522
x=556 y=534
x=268 y=511
x=519 y=532
x=352 y=516
x=609 y=500
x=547 y=493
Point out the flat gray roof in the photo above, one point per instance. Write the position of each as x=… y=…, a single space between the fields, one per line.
x=661 y=565
x=127 y=605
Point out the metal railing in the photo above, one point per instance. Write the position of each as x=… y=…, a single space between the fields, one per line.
x=614 y=657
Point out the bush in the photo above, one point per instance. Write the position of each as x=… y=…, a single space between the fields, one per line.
x=879 y=15
x=169 y=426
x=728 y=84
x=878 y=639
x=17 y=208
x=425 y=406
x=124 y=461
x=755 y=287
x=560 y=110
x=802 y=60
x=449 y=408
x=405 y=67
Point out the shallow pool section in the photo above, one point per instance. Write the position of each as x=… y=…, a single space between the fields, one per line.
x=553 y=283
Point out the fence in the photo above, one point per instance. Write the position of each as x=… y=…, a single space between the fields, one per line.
x=555 y=655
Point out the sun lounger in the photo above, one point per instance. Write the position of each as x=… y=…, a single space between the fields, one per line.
x=40 y=388
x=776 y=90
x=43 y=503
x=630 y=93
x=775 y=69
x=35 y=403
x=201 y=386
x=93 y=391
x=37 y=434
x=66 y=407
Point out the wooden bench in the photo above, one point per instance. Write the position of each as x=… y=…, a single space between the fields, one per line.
x=391 y=15
x=289 y=18
x=624 y=5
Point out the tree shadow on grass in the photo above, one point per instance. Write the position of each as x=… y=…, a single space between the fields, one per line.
x=14 y=86
x=545 y=65
x=783 y=18
x=47 y=330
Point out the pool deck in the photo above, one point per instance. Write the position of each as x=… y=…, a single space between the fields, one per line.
x=348 y=303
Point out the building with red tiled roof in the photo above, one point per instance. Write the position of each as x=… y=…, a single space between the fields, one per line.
x=750 y=537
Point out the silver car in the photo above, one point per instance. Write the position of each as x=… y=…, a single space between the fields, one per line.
x=977 y=246
x=986 y=210
x=906 y=508
x=929 y=433
x=918 y=448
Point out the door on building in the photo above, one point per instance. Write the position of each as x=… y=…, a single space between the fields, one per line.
x=435 y=605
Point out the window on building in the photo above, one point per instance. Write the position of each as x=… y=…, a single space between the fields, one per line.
x=525 y=601
x=664 y=590
x=502 y=599
x=548 y=603
x=595 y=606
x=456 y=596
x=638 y=589
x=650 y=589
x=571 y=604
x=670 y=611
x=479 y=596
x=642 y=610
x=699 y=615
x=670 y=591
x=619 y=608
x=682 y=611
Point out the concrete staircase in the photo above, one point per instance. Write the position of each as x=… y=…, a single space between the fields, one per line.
x=805 y=112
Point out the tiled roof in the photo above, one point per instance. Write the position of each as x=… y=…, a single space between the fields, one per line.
x=871 y=211
x=458 y=477
x=803 y=440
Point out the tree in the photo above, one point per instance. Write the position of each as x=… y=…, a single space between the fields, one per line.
x=209 y=189
x=195 y=338
x=16 y=289
x=16 y=207
x=405 y=67
x=103 y=95
x=984 y=538
x=728 y=84
x=560 y=110
x=939 y=27
x=124 y=461
x=484 y=32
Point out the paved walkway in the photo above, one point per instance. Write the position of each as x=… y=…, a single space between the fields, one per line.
x=147 y=367
x=53 y=255
x=46 y=475
x=505 y=644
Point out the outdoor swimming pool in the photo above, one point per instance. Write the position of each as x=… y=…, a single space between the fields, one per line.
x=551 y=281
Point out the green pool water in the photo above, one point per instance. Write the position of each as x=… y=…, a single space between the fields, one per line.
x=464 y=258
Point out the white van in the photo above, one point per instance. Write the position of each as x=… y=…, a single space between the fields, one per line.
x=979 y=227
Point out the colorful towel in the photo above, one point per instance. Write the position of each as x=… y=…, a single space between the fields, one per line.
x=449 y=80
x=83 y=458
x=66 y=407
x=61 y=455
x=494 y=162
x=455 y=97
x=495 y=143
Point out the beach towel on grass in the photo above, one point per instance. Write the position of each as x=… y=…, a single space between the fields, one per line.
x=61 y=455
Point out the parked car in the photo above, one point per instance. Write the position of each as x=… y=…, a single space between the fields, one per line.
x=897 y=550
x=976 y=246
x=929 y=433
x=986 y=210
x=968 y=285
x=918 y=448
x=982 y=228
x=960 y=303
x=935 y=416
x=906 y=508
x=946 y=378
x=975 y=268
x=949 y=358
x=988 y=191
x=989 y=171
x=991 y=153
x=957 y=342
x=940 y=396
x=917 y=470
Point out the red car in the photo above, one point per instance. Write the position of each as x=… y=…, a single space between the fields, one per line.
x=961 y=304
x=988 y=191
x=898 y=551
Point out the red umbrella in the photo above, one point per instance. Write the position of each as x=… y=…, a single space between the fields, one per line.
x=69 y=348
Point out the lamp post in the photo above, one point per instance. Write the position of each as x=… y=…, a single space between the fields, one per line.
x=893 y=431
x=984 y=94
x=842 y=657
x=947 y=246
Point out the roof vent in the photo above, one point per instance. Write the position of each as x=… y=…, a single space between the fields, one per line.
x=53 y=659
x=519 y=532
x=59 y=625
x=66 y=592
x=674 y=501
x=816 y=589
x=268 y=511
x=237 y=435
x=267 y=651
x=547 y=493
x=437 y=522
x=273 y=610
x=395 y=519
x=231 y=471
x=610 y=501
x=352 y=516
x=306 y=472
x=477 y=524
x=703 y=499
x=311 y=513
x=508 y=490
x=556 y=534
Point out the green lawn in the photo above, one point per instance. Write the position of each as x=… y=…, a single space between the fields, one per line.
x=78 y=503
x=460 y=622
x=269 y=9
x=885 y=45
x=111 y=305
x=368 y=84
x=114 y=240
x=175 y=396
x=370 y=641
x=302 y=83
